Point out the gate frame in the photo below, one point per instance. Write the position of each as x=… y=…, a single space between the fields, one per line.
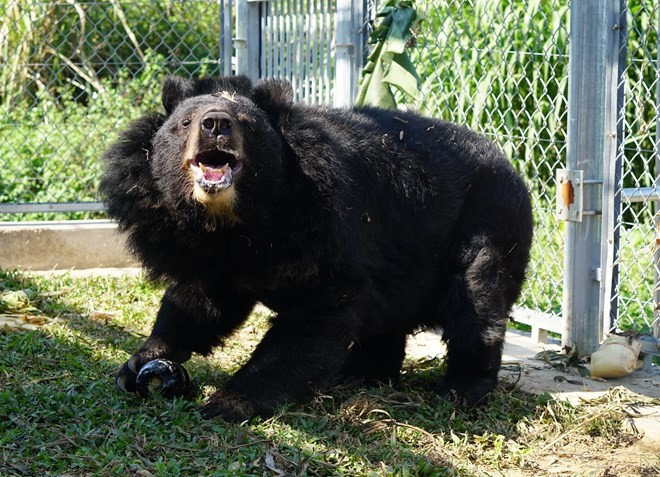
x=349 y=44
x=591 y=148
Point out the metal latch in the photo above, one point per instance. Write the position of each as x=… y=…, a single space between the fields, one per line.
x=570 y=195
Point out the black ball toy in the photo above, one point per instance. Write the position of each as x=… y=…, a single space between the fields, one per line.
x=164 y=377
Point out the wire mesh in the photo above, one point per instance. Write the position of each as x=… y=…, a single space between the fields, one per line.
x=72 y=73
x=638 y=156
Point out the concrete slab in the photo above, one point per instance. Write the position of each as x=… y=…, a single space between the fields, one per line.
x=536 y=377
x=62 y=245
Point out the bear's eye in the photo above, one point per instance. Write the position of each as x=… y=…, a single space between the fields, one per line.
x=246 y=121
x=186 y=122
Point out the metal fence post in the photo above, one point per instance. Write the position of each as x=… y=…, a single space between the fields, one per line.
x=360 y=37
x=656 y=220
x=589 y=137
x=247 y=38
x=226 y=37
x=344 y=51
x=613 y=166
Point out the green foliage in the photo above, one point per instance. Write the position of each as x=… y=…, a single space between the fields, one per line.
x=505 y=77
x=51 y=152
x=636 y=284
x=640 y=113
x=77 y=72
x=389 y=65
x=67 y=49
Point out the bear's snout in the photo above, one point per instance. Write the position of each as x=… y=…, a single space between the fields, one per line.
x=215 y=124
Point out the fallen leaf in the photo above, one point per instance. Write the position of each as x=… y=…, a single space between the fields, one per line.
x=269 y=462
x=16 y=322
x=16 y=300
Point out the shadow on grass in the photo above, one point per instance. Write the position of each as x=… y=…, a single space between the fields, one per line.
x=60 y=412
x=407 y=429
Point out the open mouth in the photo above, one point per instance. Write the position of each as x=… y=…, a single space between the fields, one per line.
x=214 y=170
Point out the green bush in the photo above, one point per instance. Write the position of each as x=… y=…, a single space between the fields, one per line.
x=74 y=73
x=68 y=49
x=51 y=152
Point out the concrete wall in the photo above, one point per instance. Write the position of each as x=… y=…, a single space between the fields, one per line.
x=62 y=245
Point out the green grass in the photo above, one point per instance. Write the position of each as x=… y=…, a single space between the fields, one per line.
x=60 y=412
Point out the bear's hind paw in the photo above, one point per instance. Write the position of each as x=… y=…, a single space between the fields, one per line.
x=230 y=407
x=468 y=393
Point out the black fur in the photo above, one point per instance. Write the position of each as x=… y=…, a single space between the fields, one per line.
x=356 y=226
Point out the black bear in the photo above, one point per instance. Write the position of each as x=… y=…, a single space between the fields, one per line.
x=355 y=226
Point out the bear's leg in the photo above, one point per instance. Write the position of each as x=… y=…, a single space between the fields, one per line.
x=294 y=359
x=188 y=321
x=474 y=323
x=375 y=358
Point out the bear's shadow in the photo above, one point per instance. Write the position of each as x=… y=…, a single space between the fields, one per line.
x=373 y=411
x=364 y=415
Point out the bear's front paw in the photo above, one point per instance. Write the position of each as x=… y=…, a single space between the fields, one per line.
x=231 y=407
x=150 y=350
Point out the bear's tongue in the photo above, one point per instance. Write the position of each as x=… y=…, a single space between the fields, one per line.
x=215 y=174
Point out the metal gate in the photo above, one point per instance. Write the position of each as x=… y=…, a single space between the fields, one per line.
x=315 y=44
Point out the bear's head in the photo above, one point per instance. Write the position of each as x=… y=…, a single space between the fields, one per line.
x=219 y=144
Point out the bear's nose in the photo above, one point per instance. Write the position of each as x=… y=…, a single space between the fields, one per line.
x=216 y=123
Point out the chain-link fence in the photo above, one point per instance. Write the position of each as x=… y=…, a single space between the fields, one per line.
x=75 y=72
x=634 y=304
x=72 y=73
x=635 y=297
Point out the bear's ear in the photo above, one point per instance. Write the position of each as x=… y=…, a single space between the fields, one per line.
x=274 y=96
x=174 y=91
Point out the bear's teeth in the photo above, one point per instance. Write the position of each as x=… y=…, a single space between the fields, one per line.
x=198 y=172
